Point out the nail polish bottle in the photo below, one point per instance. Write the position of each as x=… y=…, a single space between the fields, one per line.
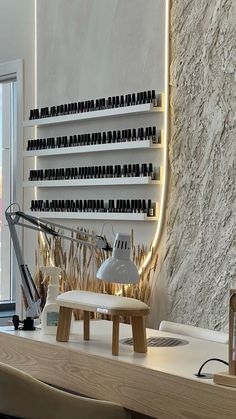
x=117 y=103
x=129 y=135
x=128 y=208
x=97 y=105
x=130 y=172
x=103 y=103
x=122 y=101
x=150 y=170
x=109 y=137
x=128 y=100
x=134 y=134
x=150 y=211
x=133 y=99
x=104 y=171
x=92 y=105
x=144 y=97
x=123 y=137
x=136 y=170
x=118 y=136
x=132 y=206
x=104 y=138
x=109 y=102
x=149 y=96
x=124 y=170
x=114 y=137
x=155 y=137
x=99 y=138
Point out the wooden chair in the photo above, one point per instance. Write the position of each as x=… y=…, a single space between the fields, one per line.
x=193 y=331
x=22 y=396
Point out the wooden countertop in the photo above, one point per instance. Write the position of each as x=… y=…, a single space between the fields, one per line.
x=160 y=383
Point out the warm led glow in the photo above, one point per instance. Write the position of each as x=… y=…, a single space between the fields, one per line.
x=165 y=140
x=36 y=102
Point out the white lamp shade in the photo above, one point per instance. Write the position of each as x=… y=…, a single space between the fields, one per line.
x=119 y=268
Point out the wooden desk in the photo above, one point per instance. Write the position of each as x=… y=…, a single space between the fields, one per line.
x=160 y=383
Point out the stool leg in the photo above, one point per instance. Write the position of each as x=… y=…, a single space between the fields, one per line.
x=86 y=325
x=139 y=334
x=115 y=335
x=63 y=328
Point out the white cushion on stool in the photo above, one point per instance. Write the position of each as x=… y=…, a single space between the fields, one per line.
x=96 y=302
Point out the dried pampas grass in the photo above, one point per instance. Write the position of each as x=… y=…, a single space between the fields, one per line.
x=80 y=264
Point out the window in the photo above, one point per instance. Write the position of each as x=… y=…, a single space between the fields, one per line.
x=7 y=149
x=11 y=141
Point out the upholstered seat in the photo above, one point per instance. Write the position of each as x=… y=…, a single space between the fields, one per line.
x=22 y=396
x=113 y=305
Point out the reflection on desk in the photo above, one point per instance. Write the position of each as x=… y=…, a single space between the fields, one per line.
x=160 y=383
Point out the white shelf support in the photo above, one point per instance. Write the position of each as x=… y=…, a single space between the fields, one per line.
x=125 y=181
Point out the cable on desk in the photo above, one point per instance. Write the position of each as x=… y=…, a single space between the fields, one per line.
x=199 y=373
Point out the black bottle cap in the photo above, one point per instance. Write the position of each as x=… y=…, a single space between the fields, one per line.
x=117 y=101
x=133 y=99
x=122 y=100
x=109 y=102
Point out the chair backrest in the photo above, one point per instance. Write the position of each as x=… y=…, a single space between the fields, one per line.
x=23 y=396
x=193 y=331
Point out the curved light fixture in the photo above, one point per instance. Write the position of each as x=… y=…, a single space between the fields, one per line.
x=119 y=267
x=160 y=223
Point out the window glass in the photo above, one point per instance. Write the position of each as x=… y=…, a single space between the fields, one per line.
x=7 y=141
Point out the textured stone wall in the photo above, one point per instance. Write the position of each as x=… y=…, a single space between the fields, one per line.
x=198 y=265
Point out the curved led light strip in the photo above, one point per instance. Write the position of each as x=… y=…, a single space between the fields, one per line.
x=158 y=232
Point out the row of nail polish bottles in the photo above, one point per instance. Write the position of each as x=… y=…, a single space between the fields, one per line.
x=91 y=205
x=96 y=172
x=131 y=99
x=148 y=133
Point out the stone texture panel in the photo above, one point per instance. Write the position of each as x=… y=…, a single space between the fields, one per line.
x=199 y=263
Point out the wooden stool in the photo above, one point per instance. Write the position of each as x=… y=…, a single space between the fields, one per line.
x=105 y=304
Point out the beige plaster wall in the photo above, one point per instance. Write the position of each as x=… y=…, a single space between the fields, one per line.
x=197 y=262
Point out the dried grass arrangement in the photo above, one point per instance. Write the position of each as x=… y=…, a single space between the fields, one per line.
x=80 y=263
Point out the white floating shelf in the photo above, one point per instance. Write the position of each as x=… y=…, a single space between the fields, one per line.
x=92 y=182
x=92 y=216
x=105 y=113
x=146 y=144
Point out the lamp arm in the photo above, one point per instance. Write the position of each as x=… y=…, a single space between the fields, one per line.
x=28 y=286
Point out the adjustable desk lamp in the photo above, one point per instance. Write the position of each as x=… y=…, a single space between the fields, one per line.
x=117 y=268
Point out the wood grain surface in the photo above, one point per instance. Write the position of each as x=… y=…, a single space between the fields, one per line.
x=138 y=388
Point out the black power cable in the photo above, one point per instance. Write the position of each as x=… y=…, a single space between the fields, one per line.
x=199 y=373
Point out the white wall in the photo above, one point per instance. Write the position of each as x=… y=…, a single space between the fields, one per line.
x=17 y=40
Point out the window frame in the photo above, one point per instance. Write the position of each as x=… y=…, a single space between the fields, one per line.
x=13 y=71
